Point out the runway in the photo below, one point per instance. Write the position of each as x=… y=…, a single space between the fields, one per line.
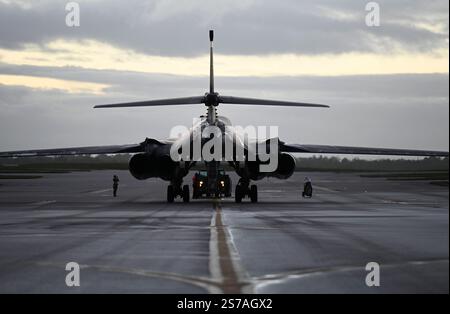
x=137 y=243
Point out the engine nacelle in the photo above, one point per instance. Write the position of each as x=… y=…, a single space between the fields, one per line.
x=286 y=166
x=285 y=169
x=145 y=166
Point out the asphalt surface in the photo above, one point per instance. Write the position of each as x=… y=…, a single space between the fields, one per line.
x=283 y=244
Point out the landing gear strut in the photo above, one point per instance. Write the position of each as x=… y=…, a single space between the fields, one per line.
x=243 y=189
x=186 y=193
x=174 y=190
x=170 y=194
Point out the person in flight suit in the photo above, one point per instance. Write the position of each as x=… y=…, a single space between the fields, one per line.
x=115 y=185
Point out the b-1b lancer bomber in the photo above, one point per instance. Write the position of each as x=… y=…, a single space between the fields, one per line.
x=154 y=158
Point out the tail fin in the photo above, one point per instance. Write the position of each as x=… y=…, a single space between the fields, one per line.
x=213 y=99
x=211 y=62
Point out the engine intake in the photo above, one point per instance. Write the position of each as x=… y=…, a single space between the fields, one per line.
x=285 y=169
x=145 y=166
x=286 y=166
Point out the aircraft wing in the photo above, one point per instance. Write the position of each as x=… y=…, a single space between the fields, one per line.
x=90 y=150
x=325 y=149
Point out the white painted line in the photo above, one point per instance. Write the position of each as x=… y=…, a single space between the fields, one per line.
x=214 y=265
x=43 y=203
x=224 y=261
x=100 y=191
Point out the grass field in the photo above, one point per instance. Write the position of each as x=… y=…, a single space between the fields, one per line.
x=440 y=178
x=14 y=177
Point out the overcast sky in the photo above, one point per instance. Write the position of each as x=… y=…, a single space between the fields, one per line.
x=387 y=86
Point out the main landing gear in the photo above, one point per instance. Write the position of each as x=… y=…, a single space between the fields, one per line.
x=175 y=190
x=243 y=189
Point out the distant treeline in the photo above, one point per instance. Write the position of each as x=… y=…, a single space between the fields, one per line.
x=120 y=162
x=63 y=163
x=97 y=159
x=345 y=164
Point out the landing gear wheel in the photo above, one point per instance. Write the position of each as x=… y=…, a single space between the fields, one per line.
x=186 y=193
x=170 y=194
x=254 y=194
x=238 y=194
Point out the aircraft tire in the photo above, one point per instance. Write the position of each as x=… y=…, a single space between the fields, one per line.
x=170 y=194
x=186 y=193
x=254 y=194
x=238 y=194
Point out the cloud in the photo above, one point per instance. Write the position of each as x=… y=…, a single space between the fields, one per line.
x=387 y=86
x=409 y=111
x=178 y=28
x=137 y=84
x=69 y=86
x=100 y=56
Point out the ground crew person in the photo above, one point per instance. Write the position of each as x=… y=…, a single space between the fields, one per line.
x=115 y=185
x=307 y=188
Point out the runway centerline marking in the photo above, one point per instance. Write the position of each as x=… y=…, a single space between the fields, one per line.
x=224 y=261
